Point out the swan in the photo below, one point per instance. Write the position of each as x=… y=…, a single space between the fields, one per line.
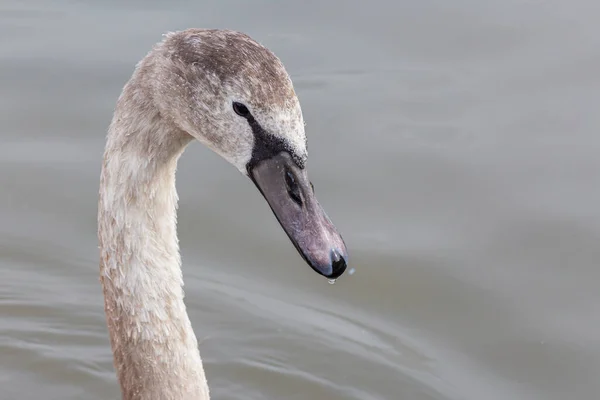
x=234 y=95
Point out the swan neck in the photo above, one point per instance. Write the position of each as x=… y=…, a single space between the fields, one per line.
x=154 y=346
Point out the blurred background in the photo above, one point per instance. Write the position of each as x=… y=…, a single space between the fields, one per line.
x=454 y=144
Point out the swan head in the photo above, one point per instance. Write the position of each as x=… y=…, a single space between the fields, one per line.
x=235 y=96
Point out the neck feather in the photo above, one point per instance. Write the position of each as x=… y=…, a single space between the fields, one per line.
x=155 y=349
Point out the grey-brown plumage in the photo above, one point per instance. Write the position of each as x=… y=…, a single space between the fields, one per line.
x=184 y=90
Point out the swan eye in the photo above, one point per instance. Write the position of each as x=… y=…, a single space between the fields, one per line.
x=240 y=109
x=293 y=189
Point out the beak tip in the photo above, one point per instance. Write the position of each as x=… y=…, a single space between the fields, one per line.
x=338 y=265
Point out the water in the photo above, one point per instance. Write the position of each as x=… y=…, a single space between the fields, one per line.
x=455 y=145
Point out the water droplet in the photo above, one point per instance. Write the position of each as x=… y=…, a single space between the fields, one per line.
x=331 y=281
x=352 y=271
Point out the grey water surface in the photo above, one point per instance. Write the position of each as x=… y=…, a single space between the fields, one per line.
x=455 y=144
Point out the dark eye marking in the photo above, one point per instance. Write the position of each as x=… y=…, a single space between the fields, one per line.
x=293 y=188
x=241 y=109
x=267 y=146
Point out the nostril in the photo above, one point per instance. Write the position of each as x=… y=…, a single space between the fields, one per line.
x=338 y=264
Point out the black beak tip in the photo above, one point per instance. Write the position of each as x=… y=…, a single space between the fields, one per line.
x=338 y=265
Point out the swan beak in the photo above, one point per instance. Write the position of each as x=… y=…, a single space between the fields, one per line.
x=290 y=194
